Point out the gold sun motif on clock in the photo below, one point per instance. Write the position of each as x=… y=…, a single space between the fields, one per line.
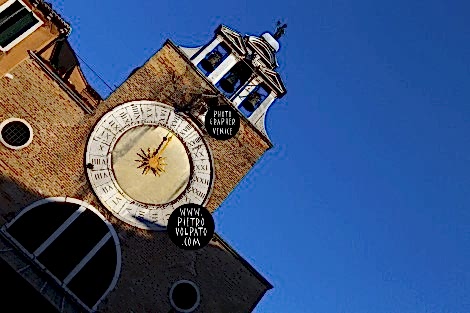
x=153 y=160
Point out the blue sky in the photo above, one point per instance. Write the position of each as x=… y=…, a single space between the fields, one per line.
x=363 y=204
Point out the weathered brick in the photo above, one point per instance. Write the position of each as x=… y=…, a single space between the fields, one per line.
x=53 y=165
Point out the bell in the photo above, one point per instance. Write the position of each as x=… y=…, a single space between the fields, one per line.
x=209 y=63
x=228 y=84
x=251 y=101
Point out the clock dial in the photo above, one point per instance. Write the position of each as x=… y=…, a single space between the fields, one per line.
x=150 y=164
x=143 y=161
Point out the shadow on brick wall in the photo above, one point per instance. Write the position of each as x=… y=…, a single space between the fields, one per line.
x=151 y=264
x=13 y=198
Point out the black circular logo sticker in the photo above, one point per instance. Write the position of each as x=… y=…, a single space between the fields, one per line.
x=222 y=122
x=191 y=226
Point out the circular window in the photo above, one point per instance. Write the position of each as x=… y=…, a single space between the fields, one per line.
x=15 y=133
x=184 y=296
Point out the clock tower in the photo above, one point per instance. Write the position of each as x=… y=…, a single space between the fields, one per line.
x=87 y=184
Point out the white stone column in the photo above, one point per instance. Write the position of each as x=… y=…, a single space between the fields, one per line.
x=223 y=68
x=261 y=110
x=246 y=91
x=205 y=51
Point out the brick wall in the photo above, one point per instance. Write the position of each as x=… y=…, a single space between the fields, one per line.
x=53 y=166
x=53 y=163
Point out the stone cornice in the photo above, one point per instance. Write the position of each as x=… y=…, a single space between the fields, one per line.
x=46 y=9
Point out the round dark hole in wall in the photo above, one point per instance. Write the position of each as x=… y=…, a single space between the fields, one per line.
x=16 y=133
x=184 y=296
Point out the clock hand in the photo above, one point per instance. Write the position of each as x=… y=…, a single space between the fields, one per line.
x=159 y=146
x=166 y=140
x=153 y=160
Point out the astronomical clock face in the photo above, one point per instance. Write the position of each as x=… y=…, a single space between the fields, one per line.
x=144 y=161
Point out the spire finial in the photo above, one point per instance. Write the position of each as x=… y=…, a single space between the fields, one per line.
x=280 y=30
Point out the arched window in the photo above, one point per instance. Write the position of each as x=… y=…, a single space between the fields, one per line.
x=214 y=59
x=232 y=82
x=253 y=100
x=73 y=243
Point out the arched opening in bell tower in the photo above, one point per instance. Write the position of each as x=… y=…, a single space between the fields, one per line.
x=254 y=99
x=234 y=79
x=214 y=58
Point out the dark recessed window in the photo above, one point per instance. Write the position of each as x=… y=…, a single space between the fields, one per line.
x=73 y=242
x=16 y=22
x=214 y=58
x=251 y=102
x=184 y=296
x=15 y=133
x=232 y=82
x=18 y=286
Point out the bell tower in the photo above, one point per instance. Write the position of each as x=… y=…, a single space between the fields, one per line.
x=243 y=68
